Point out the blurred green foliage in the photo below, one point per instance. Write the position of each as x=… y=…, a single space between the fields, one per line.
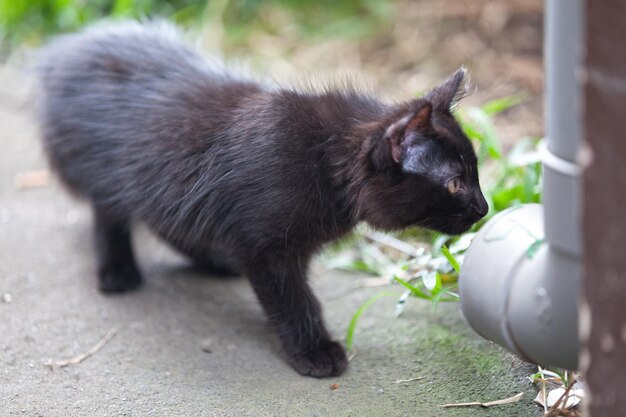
x=508 y=179
x=311 y=18
x=28 y=21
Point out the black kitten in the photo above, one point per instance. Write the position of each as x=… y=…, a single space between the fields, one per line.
x=244 y=177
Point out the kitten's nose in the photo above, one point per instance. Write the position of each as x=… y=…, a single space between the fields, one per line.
x=480 y=206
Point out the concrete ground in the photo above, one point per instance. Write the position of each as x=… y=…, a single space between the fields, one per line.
x=192 y=345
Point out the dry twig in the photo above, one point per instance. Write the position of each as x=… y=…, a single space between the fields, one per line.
x=78 y=359
x=400 y=381
x=509 y=400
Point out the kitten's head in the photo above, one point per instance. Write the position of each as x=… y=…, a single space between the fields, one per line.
x=424 y=169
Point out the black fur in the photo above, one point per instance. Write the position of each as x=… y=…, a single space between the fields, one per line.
x=244 y=177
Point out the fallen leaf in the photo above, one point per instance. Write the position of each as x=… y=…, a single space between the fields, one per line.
x=334 y=386
x=32 y=179
x=573 y=398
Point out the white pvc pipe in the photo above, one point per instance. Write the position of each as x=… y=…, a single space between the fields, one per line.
x=520 y=279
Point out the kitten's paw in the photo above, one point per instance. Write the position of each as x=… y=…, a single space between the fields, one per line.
x=120 y=279
x=328 y=360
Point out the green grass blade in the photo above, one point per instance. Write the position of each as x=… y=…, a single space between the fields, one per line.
x=359 y=312
x=455 y=264
x=485 y=128
x=445 y=296
x=504 y=103
x=438 y=243
x=530 y=180
x=414 y=290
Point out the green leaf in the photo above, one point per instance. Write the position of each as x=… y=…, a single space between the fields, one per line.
x=359 y=312
x=507 y=197
x=530 y=182
x=361 y=265
x=438 y=243
x=122 y=8
x=414 y=290
x=534 y=248
x=451 y=297
x=455 y=264
x=484 y=126
x=504 y=103
x=438 y=284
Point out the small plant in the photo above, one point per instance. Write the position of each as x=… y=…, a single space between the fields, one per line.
x=560 y=392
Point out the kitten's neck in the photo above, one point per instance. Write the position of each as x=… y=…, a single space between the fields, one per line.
x=350 y=124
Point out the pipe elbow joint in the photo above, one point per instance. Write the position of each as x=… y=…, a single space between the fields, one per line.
x=521 y=292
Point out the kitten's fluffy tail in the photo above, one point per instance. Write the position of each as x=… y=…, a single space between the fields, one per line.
x=42 y=60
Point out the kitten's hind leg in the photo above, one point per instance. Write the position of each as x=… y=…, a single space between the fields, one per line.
x=117 y=270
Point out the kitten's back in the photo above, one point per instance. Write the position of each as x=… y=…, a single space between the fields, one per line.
x=132 y=118
x=118 y=83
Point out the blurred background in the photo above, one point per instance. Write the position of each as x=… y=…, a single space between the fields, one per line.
x=400 y=47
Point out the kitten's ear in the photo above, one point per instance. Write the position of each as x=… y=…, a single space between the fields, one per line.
x=389 y=151
x=445 y=95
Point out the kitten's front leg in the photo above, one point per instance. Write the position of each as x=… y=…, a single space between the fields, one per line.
x=291 y=306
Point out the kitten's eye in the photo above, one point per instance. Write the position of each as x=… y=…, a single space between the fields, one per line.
x=454 y=185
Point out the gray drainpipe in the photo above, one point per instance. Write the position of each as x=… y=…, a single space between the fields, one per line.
x=521 y=276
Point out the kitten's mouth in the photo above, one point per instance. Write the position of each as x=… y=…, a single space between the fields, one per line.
x=455 y=229
x=452 y=225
